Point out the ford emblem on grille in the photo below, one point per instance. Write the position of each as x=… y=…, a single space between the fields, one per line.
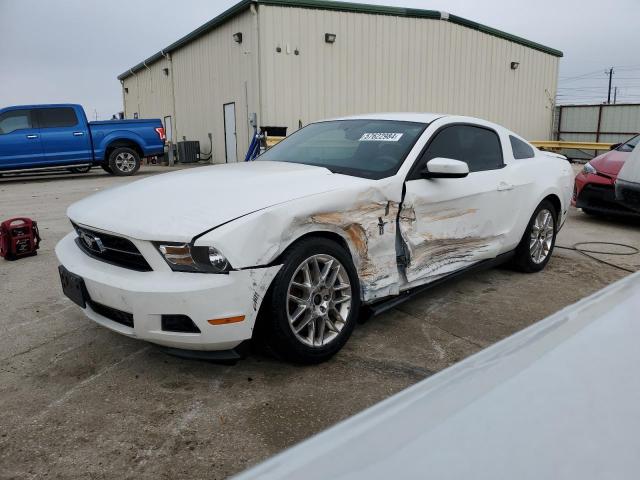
x=92 y=242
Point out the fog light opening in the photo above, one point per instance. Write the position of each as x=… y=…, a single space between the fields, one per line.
x=178 y=323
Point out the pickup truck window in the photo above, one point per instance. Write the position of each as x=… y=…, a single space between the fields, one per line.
x=14 y=120
x=56 y=117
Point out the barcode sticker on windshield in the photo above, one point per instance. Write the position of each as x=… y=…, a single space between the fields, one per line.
x=380 y=137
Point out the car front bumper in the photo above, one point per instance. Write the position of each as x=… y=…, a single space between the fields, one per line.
x=149 y=295
x=597 y=193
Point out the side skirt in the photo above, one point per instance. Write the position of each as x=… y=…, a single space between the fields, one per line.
x=51 y=168
x=384 y=305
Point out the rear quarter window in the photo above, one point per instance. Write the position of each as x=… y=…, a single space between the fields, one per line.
x=520 y=149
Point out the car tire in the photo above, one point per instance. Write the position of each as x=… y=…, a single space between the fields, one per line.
x=124 y=161
x=534 y=250
x=80 y=169
x=310 y=312
x=591 y=213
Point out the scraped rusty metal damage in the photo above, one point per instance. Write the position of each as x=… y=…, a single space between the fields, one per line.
x=371 y=230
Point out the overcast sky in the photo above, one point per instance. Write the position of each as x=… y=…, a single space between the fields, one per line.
x=73 y=50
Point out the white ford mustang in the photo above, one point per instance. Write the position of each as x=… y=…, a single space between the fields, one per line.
x=287 y=249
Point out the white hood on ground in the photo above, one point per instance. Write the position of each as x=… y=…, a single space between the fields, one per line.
x=180 y=205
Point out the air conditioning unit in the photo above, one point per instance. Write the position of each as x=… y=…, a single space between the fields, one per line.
x=188 y=151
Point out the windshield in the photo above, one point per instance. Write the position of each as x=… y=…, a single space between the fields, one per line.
x=629 y=145
x=363 y=148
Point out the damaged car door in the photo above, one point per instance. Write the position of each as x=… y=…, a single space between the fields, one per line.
x=450 y=221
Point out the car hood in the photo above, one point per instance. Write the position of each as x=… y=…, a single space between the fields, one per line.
x=178 y=206
x=610 y=163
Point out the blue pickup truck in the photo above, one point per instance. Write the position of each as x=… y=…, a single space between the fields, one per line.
x=46 y=136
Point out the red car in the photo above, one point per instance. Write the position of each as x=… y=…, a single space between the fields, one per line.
x=594 y=190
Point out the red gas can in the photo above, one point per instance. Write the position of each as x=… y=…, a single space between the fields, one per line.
x=19 y=237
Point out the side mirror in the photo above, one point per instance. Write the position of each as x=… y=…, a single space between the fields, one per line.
x=614 y=146
x=445 y=168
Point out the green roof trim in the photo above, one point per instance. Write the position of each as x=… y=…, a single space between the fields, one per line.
x=339 y=7
x=504 y=35
x=353 y=8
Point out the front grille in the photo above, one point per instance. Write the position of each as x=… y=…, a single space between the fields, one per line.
x=630 y=196
x=601 y=198
x=595 y=195
x=111 y=249
x=118 y=316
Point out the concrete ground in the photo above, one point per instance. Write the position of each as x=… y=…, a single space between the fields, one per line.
x=78 y=401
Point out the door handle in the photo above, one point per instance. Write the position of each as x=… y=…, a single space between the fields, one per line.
x=504 y=186
x=78 y=134
x=32 y=136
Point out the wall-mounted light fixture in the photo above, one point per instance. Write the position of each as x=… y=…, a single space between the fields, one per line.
x=330 y=37
x=126 y=90
x=515 y=65
x=165 y=71
x=237 y=37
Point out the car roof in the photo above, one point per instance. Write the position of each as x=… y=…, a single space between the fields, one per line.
x=425 y=118
x=556 y=400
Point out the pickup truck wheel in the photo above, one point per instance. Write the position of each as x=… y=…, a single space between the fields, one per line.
x=105 y=166
x=313 y=303
x=535 y=248
x=124 y=161
x=80 y=169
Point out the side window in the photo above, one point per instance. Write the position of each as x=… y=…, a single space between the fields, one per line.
x=477 y=146
x=14 y=120
x=57 y=117
x=520 y=149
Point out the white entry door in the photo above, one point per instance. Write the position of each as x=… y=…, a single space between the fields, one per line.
x=230 y=140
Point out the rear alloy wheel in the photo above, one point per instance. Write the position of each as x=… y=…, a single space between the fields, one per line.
x=313 y=303
x=124 y=161
x=535 y=248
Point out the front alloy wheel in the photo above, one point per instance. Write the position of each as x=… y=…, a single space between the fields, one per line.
x=312 y=305
x=319 y=300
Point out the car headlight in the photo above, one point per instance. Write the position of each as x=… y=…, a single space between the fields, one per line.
x=588 y=168
x=188 y=258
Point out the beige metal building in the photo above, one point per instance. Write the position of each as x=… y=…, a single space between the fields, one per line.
x=288 y=63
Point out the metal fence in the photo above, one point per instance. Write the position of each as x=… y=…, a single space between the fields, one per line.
x=595 y=123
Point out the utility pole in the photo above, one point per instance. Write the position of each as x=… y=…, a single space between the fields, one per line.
x=610 y=78
x=615 y=94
